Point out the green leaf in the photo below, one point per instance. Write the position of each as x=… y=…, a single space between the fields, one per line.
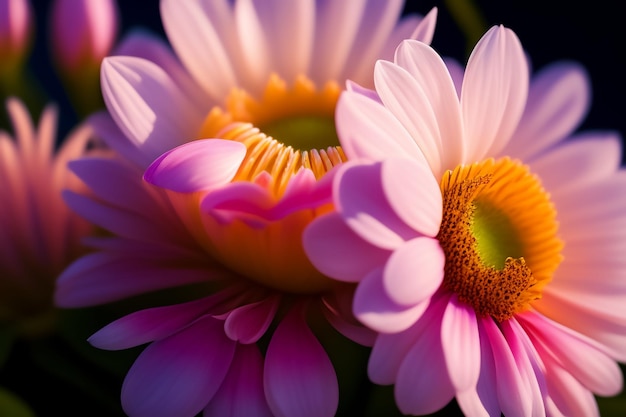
x=12 y=405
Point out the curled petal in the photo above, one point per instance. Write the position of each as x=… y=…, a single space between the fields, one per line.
x=200 y=165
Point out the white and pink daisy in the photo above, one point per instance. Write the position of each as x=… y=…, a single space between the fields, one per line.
x=40 y=234
x=484 y=240
x=234 y=138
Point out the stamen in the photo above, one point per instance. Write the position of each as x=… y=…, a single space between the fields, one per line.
x=496 y=215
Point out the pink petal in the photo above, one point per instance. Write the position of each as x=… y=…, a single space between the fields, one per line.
x=328 y=239
x=513 y=394
x=101 y=277
x=483 y=400
x=568 y=397
x=529 y=363
x=246 y=324
x=375 y=309
x=376 y=26
x=241 y=393
x=390 y=349
x=200 y=165
x=203 y=34
x=299 y=378
x=414 y=271
x=360 y=199
x=494 y=92
x=413 y=193
x=151 y=324
x=430 y=72
x=147 y=105
x=584 y=358
x=150 y=46
x=405 y=98
x=586 y=159
x=366 y=129
x=177 y=376
x=337 y=23
x=423 y=385
x=288 y=26
x=559 y=98
x=461 y=344
x=106 y=129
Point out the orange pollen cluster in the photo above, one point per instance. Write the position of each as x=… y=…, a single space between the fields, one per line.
x=499 y=235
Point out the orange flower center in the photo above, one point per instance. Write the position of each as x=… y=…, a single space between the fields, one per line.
x=286 y=130
x=499 y=235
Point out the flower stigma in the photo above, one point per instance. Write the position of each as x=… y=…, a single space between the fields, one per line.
x=288 y=129
x=499 y=236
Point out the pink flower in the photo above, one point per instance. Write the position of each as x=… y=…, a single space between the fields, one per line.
x=234 y=139
x=83 y=33
x=485 y=243
x=40 y=235
x=16 y=32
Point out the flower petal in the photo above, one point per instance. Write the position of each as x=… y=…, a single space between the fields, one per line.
x=361 y=201
x=241 y=393
x=414 y=271
x=102 y=277
x=177 y=376
x=151 y=324
x=147 y=105
x=423 y=385
x=413 y=193
x=366 y=129
x=299 y=378
x=200 y=165
x=461 y=344
x=584 y=358
x=203 y=36
x=407 y=100
x=327 y=239
x=558 y=100
x=494 y=92
x=375 y=309
x=513 y=395
x=431 y=73
x=247 y=323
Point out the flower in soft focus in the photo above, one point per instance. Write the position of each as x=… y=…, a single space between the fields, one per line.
x=234 y=142
x=16 y=33
x=40 y=235
x=83 y=32
x=484 y=243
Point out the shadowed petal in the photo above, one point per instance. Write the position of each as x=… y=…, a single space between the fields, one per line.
x=299 y=378
x=328 y=239
x=377 y=310
x=241 y=393
x=177 y=376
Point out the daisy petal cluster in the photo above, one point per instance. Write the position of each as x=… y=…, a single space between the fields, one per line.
x=225 y=153
x=482 y=233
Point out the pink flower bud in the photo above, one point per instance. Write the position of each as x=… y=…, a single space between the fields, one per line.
x=83 y=32
x=16 y=31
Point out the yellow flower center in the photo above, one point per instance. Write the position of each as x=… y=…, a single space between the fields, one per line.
x=499 y=235
x=286 y=130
